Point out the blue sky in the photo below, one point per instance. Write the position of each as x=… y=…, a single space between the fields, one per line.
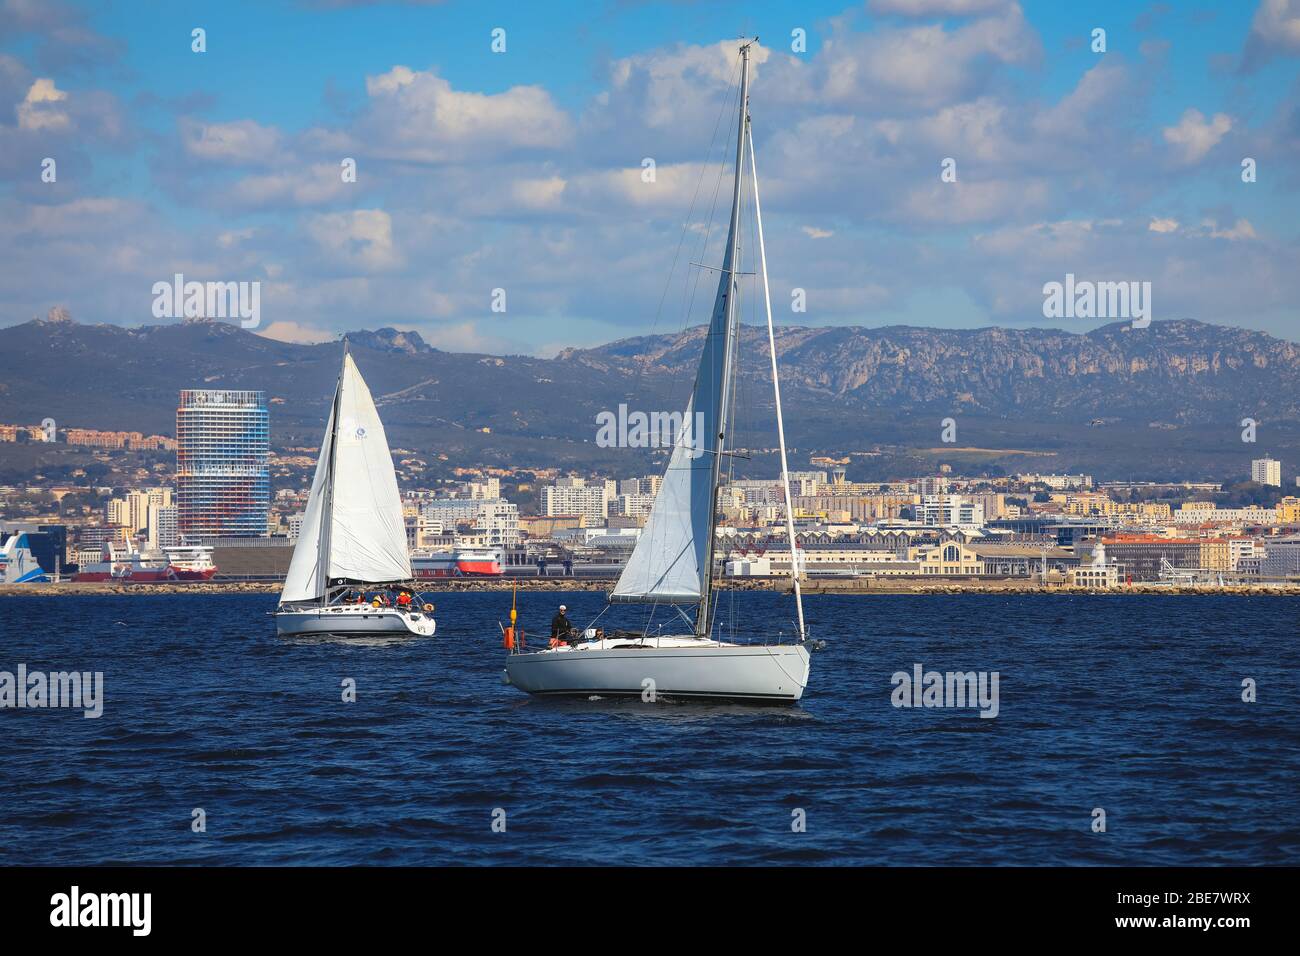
x=521 y=170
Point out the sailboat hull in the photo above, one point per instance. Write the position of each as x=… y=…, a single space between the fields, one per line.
x=776 y=673
x=351 y=620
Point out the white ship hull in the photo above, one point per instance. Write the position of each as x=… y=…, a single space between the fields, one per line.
x=678 y=667
x=352 y=620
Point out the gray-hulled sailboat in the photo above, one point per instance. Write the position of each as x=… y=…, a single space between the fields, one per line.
x=353 y=536
x=673 y=559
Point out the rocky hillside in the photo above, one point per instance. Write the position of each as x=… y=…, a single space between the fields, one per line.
x=1164 y=401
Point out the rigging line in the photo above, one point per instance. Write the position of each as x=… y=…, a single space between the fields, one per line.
x=688 y=301
x=737 y=389
x=689 y=622
x=776 y=397
x=593 y=621
x=681 y=240
x=727 y=107
x=690 y=288
x=645 y=629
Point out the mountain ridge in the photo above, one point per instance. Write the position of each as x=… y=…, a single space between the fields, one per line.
x=846 y=389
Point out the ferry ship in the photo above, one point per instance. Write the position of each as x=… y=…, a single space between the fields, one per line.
x=472 y=562
x=190 y=563
x=113 y=561
x=147 y=567
x=123 y=564
x=98 y=571
x=17 y=563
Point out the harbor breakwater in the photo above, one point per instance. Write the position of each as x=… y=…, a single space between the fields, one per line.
x=862 y=586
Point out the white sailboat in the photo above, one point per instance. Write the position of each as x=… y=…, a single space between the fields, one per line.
x=353 y=536
x=673 y=560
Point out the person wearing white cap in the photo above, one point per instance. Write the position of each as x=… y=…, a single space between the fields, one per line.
x=561 y=626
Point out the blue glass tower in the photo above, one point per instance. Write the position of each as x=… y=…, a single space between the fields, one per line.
x=223 y=483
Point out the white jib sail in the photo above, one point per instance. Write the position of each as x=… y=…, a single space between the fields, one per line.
x=304 y=582
x=366 y=532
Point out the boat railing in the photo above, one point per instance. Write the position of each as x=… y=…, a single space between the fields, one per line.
x=651 y=638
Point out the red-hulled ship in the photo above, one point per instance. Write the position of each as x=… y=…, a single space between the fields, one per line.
x=114 y=560
x=190 y=563
x=469 y=562
x=147 y=567
x=125 y=565
x=99 y=571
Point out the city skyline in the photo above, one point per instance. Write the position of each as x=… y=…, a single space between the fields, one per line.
x=942 y=526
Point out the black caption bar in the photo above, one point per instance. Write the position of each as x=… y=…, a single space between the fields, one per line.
x=138 y=905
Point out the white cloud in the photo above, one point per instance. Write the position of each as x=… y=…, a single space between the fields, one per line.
x=933 y=8
x=1193 y=137
x=417 y=116
x=671 y=192
x=538 y=193
x=678 y=86
x=1238 y=231
x=316 y=184
x=92 y=217
x=1274 y=31
x=556 y=210
x=239 y=142
x=1089 y=107
x=1191 y=276
x=37 y=110
x=362 y=238
x=294 y=332
x=461 y=337
x=973 y=130
x=923 y=66
x=233 y=237
x=970 y=202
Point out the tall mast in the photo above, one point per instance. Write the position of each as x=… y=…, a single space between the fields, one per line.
x=327 y=505
x=776 y=387
x=703 y=620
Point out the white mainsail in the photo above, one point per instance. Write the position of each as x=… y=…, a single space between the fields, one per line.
x=672 y=558
x=353 y=529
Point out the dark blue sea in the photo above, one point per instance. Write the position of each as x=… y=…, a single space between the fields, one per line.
x=1129 y=704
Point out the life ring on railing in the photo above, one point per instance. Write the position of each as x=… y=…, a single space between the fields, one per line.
x=428 y=608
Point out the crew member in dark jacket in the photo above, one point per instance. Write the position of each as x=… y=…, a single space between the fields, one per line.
x=561 y=626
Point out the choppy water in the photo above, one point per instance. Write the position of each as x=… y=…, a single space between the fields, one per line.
x=1131 y=704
